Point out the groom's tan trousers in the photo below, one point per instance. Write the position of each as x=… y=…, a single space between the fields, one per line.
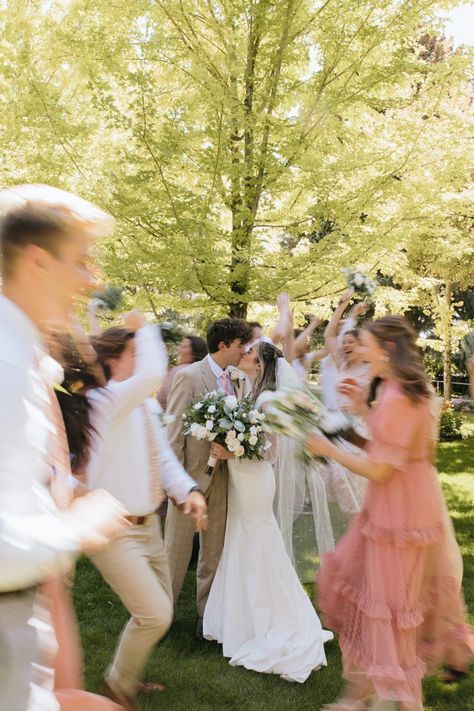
x=179 y=533
x=136 y=568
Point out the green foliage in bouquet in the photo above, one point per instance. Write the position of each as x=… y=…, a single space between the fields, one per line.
x=109 y=299
x=235 y=425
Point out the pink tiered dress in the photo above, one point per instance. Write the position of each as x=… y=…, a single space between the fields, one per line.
x=392 y=588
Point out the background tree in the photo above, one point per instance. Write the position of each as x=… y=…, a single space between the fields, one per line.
x=244 y=146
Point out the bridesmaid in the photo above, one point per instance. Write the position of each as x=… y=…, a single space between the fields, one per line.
x=392 y=588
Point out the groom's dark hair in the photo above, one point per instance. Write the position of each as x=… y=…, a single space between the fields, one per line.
x=227 y=330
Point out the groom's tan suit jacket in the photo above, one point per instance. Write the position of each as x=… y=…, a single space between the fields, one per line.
x=189 y=384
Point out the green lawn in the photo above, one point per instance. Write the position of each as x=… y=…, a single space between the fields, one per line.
x=197 y=676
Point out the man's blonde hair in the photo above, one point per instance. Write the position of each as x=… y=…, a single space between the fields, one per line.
x=40 y=214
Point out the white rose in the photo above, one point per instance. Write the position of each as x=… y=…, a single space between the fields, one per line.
x=240 y=436
x=197 y=406
x=358 y=279
x=231 y=434
x=211 y=409
x=231 y=402
x=236 y=375
x=253 y=440
x=253 y=430
x=203 y=432
x=194 y=428
x=239 y=452
x=233 y=445
x=209 y=424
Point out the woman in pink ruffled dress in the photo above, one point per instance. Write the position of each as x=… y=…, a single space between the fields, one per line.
x=392 y=588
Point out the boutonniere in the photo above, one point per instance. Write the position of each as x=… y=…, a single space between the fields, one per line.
x=236 y=375
x=52 y=373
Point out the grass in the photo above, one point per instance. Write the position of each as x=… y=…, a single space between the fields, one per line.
x=198 y=678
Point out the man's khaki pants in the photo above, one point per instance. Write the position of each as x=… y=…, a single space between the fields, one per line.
x=179 y=534
x=27 y=650
x=136 y=568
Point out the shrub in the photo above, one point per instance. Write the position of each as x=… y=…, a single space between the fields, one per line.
x=450 y=424
x=463 y=404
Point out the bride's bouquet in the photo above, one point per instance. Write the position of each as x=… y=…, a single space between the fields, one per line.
x=359 y=282
x=299 y=413
x=236 y=425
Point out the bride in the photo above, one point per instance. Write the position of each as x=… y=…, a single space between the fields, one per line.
x=257 y=607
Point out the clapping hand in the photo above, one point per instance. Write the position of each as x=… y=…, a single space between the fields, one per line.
x=97 y=517
x=355 y=392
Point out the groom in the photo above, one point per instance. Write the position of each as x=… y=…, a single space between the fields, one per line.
x=225 y=341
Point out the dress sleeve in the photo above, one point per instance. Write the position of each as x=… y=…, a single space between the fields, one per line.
x=395 y=423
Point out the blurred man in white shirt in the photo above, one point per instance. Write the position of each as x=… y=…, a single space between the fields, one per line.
x=45 y=237
x=132 y=459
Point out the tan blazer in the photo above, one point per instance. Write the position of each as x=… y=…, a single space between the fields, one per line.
x=188 y=384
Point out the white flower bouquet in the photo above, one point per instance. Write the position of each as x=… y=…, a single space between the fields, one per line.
x=299 y=413
x=236 y=425
x=359 y=282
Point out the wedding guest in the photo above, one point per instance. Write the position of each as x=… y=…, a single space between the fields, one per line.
x=257 y=332
x=392 y=588
x=131 y=458
x=191 y=349
x=45 y=238
x=226 y=339
x=304 y=358
x=345 y=489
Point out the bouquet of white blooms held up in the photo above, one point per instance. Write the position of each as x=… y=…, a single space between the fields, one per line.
x=359 y=282
x=297 y=413
x=236 y=425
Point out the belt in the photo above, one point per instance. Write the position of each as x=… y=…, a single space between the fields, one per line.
x=138 y=520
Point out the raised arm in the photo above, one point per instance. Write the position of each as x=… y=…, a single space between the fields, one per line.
x=330 y=334
x=119 y=398
x=301 y=340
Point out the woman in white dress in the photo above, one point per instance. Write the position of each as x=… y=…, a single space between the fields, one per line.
x=257 y=607
x=343 y=487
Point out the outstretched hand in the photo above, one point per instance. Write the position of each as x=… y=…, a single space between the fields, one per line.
x=195 y=506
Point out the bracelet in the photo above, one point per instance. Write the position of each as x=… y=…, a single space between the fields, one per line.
x=195 y=488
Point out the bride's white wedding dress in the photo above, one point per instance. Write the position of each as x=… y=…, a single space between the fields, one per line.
x=257 y=607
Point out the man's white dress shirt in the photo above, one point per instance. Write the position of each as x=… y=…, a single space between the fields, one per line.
x=120 y=458
x=34 y=541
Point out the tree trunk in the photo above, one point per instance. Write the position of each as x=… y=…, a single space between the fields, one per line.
x=447 y=356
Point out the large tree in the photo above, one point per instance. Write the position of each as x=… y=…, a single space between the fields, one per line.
x=245 y=146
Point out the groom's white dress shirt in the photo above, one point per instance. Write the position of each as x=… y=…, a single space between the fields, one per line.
x=216 y=369
x=120 y=457
x=34 y=541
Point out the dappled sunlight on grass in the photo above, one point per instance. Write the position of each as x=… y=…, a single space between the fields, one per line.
x=199 y=678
